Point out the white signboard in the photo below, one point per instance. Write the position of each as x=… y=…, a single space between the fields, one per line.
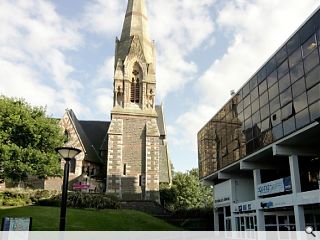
x=276 y=186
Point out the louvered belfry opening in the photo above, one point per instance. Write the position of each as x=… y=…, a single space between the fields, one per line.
x=135 y=85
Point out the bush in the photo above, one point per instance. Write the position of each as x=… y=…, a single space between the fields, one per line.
x=23 y=198
x=84 y=200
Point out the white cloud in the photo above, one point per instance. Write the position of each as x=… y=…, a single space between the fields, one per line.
x=257 y=29
x=34 y=65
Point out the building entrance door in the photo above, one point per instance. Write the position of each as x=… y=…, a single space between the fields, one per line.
x=246 y=222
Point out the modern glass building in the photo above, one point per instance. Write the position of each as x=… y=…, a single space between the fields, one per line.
x=252 y=140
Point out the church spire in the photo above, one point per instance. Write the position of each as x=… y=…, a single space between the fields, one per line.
x=136 y=21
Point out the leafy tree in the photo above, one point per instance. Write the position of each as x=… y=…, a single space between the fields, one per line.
x=186 y=192
x=27 y=141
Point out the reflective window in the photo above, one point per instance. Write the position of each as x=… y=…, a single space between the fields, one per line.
x=307 y=30
x=246 y=90
x=262 y=74
x=286 y=97
x=283 y=69
x=289 y=126
x=248 y=123
x=313 y=77
x=315 y=111
x=277 y=132
x=263 y=87
x=246 y=101
x=256 y=118
x=284 y=83
x=293 y=43
x=274 y=104
x=253 y=82
x=264 y=99
x=302 y=118
x=295 y=57
x=265 y=125
x=318 y=36
x=311 y=61
x=309 y=46
x=272 y=78
x=271 y=65
x=247 y=112
x=300 y=102
x=276 y=118
x=240 y=107
x=286 y=111
x=298 y=87
x=254 y=94
x=281 y=55
x=273 y=91
x=296 y=72
x=314 y=94
x=255 y=106
x=264 y=112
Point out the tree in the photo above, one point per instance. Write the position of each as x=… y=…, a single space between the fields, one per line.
x=187 y=192
x=27 y=141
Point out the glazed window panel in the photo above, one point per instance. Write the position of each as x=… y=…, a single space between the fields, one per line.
x=274 y=104
x=314 y=94
x=246 y=90
x=271 y=65
x=272 y=78
x=247 y=112
x=296 y=72
x=246 y=101
x=263 y=87
x=309 y=46
x=265 y=125
x=315 y=111
x=262 y=74
x=286 y=111
x=286 y=97
x=307 y=30
x=256 y=118
x=264 y=99
x=276 y=118
x=295 y=57
x=311 y=61
x=281 y=55
x=289 y=126
x=255 y=106
x=300 y=102
x=254 y=94
x=253 y=82
x=298 y=87
x=273 y=91
x=302 y=118
x=277 y=132
x=293 y=43
x=265 y=112
x=284 y=83
x=313 y=77
x=283 y=69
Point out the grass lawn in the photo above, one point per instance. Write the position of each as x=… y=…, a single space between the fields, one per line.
x=47 y=219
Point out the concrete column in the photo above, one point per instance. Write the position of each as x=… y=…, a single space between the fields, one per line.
x=299 y=218
x=233 y=221
x=259 y=212
x=216 y=219
x=256 y=181
x=295 y=173
x=296 y=188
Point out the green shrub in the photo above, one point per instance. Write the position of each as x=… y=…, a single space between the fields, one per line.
x=84 y=200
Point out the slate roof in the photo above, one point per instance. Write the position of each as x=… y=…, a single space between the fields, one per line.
x=91 y=134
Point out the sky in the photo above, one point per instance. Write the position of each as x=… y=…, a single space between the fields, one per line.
x=60 y=54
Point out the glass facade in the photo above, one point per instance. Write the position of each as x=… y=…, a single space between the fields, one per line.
x=281 y=98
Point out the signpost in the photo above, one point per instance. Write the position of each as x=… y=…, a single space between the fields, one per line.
x=79 y=186
x=16 y=224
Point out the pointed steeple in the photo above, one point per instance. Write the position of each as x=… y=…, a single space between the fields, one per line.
x=136 y=21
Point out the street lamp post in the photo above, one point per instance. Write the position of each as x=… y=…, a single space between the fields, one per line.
x=67 y=153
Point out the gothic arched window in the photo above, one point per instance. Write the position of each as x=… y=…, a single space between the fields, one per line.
x=135 y=84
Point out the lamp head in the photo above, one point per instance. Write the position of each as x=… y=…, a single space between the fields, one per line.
x=67 y=153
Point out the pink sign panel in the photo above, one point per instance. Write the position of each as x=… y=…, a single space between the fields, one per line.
x=80 y=186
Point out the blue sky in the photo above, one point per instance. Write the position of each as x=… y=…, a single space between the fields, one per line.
x=60 y=54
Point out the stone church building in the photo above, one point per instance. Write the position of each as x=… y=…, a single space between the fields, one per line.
x=129 y=155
